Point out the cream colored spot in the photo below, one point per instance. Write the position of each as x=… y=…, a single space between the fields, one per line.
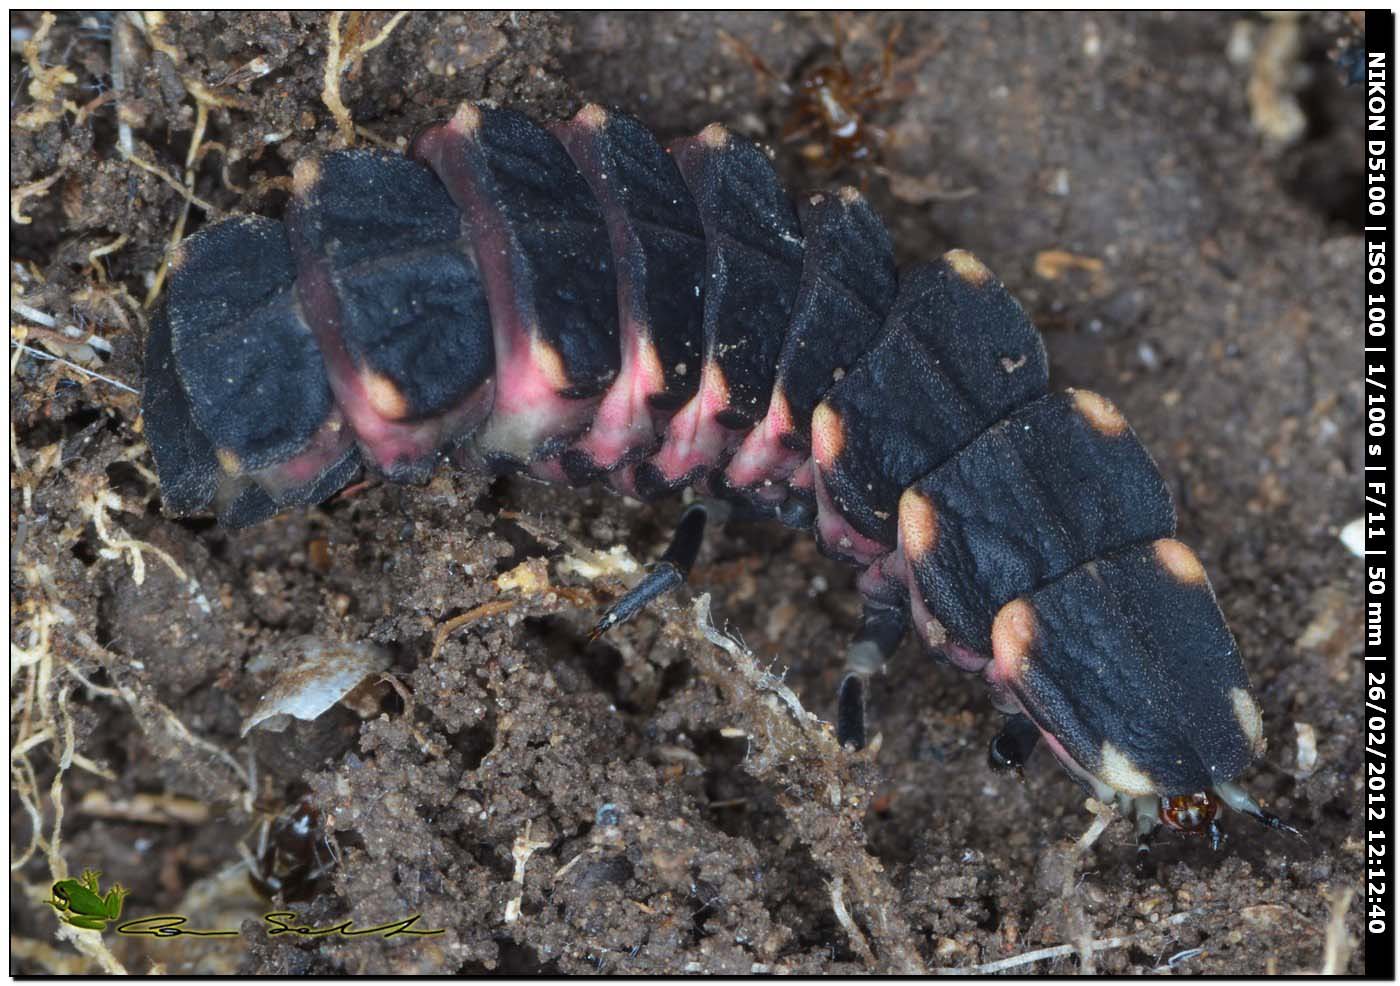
x=918 y=524
x=467 y=120
x=305 y=176
x=1118 y=772
x=828 y=436
x=1013 y=634
x=384 y=396
x=1102 y=416
x=548 y=361
x=715 y=136
x=1179 y=561
x=1247 y=715
x=849 y=194
x=592 y=116
x=229 y=461
x=968 y=267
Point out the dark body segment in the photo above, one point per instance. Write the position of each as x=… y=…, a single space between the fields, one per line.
x=395 y=305
x=1126 y=664
x=185 y=460
x=847 y=289
x=1059 y=483
x=191 y=479
x=658 y=246
x=250 y=369
x=957 y=355
x=540 y=243
x=754 y=265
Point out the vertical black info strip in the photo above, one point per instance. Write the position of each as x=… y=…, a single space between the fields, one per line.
x=1379 y=481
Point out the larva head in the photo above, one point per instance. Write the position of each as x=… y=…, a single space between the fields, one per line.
x=1189 y=813
x=1126 y=666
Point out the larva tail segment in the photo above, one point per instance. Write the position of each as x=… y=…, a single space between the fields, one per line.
x=185 y=458
x=251 y=376
x=398 y=311
x=658 y=246
x=753 y=268
x=540 y=243
x=848 y=285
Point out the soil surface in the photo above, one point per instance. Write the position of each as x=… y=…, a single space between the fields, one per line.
x=1174 y=198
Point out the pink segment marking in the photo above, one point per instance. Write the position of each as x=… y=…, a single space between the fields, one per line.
x=835 y=536
x=695 y=441
x=762 y=463
x=388 y=444
x=625 y=420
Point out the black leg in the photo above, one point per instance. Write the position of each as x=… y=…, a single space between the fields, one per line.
x=1012 y=747
x=1146 y=824
x=667 y=574
x=850 y=712
x=1216 y=836
x=881 y=630
x=1269 y=820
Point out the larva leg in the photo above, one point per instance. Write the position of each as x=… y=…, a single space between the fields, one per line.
x=669 y=573
x=1012 y=747
x=881 y=630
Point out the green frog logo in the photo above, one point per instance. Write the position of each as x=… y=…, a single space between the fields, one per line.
x=80 y=902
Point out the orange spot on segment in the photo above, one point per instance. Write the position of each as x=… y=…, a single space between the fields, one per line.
x=714 y=388
x=466 y=121
x=968 y=267
x=384 y=396
x=650 y=375
x=779 y=416
x=1013 y=634
x=305 y=176
x=918 y=524
x=547 y=360
x=828 y=435
x=1102 y=416
x=1179 y=561
x=229 y=461
x=714 y=136
x=592 y=117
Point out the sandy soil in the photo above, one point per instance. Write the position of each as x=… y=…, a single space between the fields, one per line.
x=1171 y=198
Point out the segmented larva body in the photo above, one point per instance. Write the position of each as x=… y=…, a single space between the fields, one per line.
x=580 y=303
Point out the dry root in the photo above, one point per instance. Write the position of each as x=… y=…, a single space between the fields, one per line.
x=342 y=56
x=45 y=82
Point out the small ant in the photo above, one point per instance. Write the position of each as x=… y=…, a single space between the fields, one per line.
x=832 y=106
x=294 y=853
